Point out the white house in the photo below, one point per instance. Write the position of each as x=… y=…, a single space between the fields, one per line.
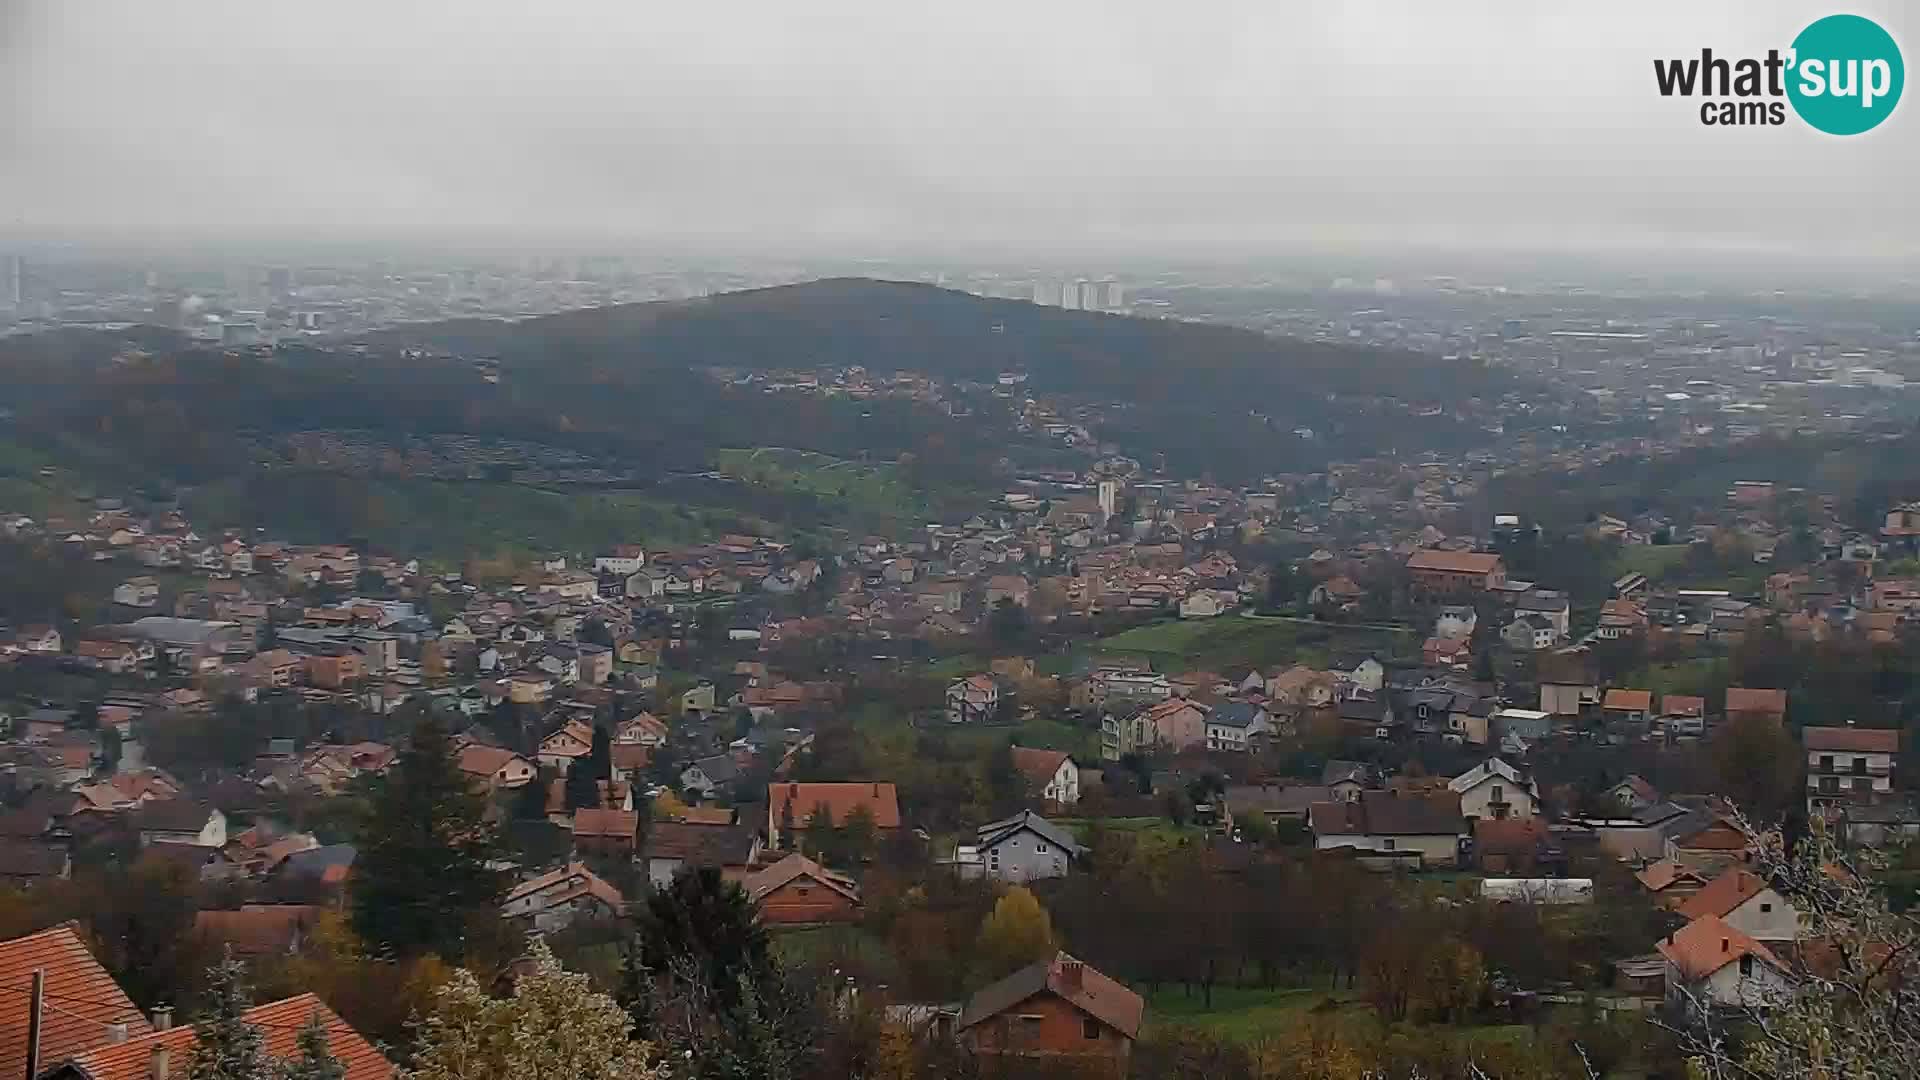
x=557 y=898
x=1531 y=632
x=972 y=700
x=1495 y=789
x=1022 y=848
x=180 y=821
x=1711 y=964
x=1743 y=900
x=1233 y=726
x=139 y=592
x=1050 y=774
x=1849 y=765
x=1207 y=603
x=572 y=742
x=627 y=561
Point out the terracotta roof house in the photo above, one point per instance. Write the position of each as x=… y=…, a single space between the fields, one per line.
x=1518 y=846
x=1758 y=704
x=1746 y=902
x=258 y=929
x=606 y=832
x=794 y=803
x=796 y=891
x=279 y=1021
x=1719 y=965
x=1058 y=1008
x=558 y=897
x=1050 y=774
x=1669 y=882
x=90 y=1004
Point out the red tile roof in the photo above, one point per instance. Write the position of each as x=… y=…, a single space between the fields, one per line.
x=1038 y=766
x=1628 y=700
x=1724 y=893
x=1708 y=944
x=279 y=1021
x=1093 y=993
x=258 y=929
x=1454 y=562
x=1856 y=740
x=1745 y=699
x=840 y=799
x=84 y=999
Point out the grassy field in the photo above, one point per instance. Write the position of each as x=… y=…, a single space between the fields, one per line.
x=453 y=519
x=1653 y=560
x=1248 y=1014
x=1230 y=644
x=873 y=487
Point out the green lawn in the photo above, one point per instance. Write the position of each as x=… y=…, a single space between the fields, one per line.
x=1229 y=645
x=1248 y=1014
x=1653 y=560
x=874 y=487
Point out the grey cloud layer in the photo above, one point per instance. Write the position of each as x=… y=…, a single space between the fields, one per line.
x=1014 y=126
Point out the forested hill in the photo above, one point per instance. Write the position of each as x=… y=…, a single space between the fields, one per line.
x=1211 y=398
x=887 y=325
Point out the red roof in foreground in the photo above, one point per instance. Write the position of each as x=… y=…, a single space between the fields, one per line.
x=1708 y=944
x=279 y=1021
x=84 y=999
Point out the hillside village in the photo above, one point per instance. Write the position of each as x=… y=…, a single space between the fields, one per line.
x=1092 y=676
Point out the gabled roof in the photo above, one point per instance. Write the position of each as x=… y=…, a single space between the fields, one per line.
x=257 y=929
x=1708 y=944
x=1453 y=562
x=1236 y=714
x=1338 y=771
x=172 y=815
x=840 y=798
x=578 y=881
x=1074 y=982
x=86 y=999
x=1492 y=768
x=1026 y=821
x=1624 y=700
x=623 y=824
x=1039 y=766
x=1723 y=894
x=701 y=845
x=1388 y=813
x=762 y=882
x=279 y=1021
x=1659 y=876
x=478 y=760
x=1745 y=699
x=1856 y=740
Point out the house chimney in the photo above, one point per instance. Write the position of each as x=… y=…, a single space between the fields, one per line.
x=1070 y=973
x=157 y=1064
x=1726 y=944
x=162 y=1017
x=116 y=1033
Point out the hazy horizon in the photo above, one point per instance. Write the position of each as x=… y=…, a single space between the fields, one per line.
x=1222 y=132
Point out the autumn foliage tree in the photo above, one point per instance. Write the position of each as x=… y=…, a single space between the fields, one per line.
x=1018 y=932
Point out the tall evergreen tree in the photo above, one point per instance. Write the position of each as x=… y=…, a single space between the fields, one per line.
x=316 y=1060
x=425 y=845
x=584 y=776
x=225 y=1046
x=704 y=927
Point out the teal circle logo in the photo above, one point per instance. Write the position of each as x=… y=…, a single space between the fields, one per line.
x=1846 y=75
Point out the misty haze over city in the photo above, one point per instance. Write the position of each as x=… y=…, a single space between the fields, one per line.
x=1301 y=540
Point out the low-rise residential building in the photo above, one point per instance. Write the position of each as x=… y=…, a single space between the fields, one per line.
x=1849 y=766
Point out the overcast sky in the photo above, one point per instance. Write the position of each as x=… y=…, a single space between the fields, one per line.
x=1030 y=127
